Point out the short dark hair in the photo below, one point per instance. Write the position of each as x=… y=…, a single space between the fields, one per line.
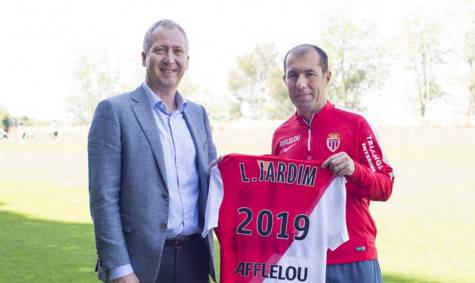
x=304 y=48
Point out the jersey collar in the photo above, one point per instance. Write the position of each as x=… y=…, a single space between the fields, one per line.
x=316 y=116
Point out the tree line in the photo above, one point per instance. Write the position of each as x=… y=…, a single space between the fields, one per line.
x=430 y=51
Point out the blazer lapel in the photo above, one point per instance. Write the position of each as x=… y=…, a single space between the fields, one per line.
x=192 y=118
x=147 y=122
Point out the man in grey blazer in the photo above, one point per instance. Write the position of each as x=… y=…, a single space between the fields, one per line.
x=149 y=152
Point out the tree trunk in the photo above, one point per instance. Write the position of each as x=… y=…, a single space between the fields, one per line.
x=425 y=88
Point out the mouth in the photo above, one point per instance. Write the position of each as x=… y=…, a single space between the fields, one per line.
x=301 y=95
x=167 y=70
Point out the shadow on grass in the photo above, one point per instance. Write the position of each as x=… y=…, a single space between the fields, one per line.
x=35 y=250
x=398 y=278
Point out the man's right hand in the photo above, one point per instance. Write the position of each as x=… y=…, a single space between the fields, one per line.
x=216 y=161
x=129 y=278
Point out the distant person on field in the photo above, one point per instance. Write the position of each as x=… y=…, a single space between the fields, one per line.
x=23 y=133
x=53 y=131
x=3 y=135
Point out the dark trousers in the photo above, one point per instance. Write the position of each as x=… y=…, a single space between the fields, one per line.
x=361 y=271
x=184 y=260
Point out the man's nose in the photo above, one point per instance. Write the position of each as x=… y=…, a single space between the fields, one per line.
x=168 y=57
x=301 y=81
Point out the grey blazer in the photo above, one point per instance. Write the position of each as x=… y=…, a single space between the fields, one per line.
x=127 y=182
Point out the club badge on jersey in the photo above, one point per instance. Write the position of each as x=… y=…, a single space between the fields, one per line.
x=333 y=141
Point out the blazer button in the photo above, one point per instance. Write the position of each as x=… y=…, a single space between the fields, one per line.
x=163 y=226
x=165 y=195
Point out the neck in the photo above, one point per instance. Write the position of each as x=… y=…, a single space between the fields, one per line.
x=308 y=115
x=167 y=96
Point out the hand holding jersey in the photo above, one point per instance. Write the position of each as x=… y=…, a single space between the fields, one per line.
x=340 y=164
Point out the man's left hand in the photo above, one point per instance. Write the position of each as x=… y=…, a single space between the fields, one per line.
x=340 y=164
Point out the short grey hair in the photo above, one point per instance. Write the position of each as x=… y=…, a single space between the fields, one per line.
x=168 y=24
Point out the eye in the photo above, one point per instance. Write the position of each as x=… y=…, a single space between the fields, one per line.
x=291 y=75
x=179 y=51
x=159 y=50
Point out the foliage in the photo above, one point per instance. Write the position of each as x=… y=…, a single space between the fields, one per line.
x=469 y=54
x=3 y=112
x=255 y=84
x=355 y=59
x=279 y=106
x=188 y=88
x=423 y=54
x=96 y=79
x=5 y=118
x=217 y=105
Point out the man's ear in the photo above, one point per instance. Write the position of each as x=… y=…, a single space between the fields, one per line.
x=144 y=57
x=283 y=78
x=328 y=76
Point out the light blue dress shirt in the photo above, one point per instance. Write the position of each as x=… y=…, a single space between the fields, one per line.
x=180 y=165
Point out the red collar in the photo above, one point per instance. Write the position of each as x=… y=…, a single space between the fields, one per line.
x=316 y=116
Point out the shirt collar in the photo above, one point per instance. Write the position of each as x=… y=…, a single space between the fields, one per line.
x=156 y=102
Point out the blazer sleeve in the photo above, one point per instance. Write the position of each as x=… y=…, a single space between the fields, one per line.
x=104 y=158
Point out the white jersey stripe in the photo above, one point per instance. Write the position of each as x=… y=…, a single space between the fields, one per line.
x=329 y=231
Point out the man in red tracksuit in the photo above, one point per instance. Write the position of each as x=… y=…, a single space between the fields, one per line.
x=348 y=146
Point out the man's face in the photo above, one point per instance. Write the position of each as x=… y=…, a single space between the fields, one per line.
x=167 y=59
x=306 y=82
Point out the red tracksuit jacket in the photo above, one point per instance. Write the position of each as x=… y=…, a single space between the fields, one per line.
x=334 y=130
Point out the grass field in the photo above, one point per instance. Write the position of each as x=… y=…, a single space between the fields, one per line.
x=425 y=234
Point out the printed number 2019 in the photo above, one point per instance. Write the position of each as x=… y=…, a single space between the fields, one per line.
x=265 y=224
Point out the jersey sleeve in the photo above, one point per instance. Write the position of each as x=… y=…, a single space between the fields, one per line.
x=373 y=176
x=213 y=203
x=337 y=231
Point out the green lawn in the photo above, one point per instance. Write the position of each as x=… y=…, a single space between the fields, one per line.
x=425 y=229
x=35 y=250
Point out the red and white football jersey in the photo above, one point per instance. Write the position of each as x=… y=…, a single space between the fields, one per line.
x=275 y=218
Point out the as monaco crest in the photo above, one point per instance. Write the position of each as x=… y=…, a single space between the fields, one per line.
x=333 y=141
